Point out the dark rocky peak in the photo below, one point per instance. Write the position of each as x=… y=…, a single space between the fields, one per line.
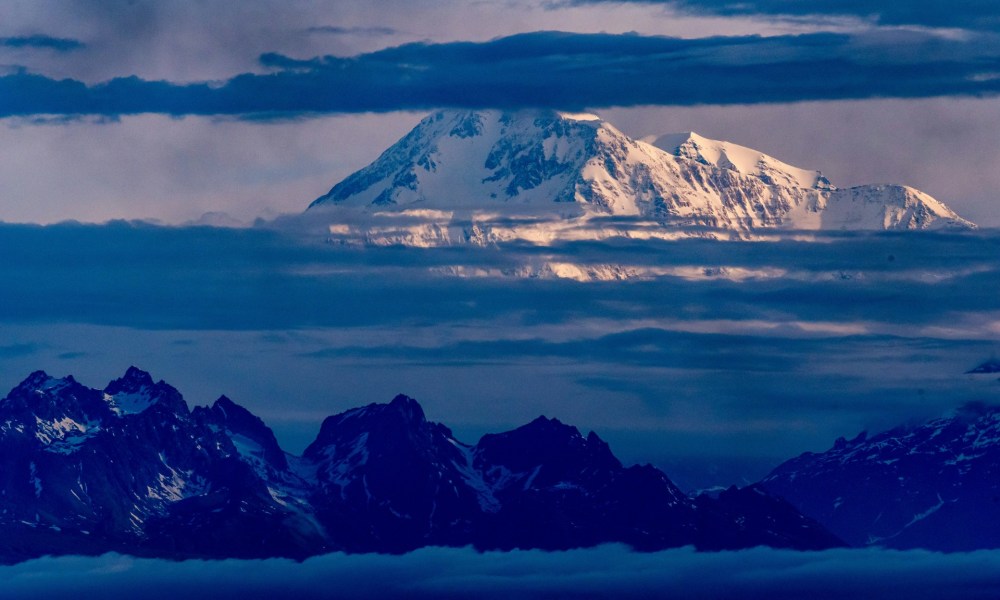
x=390 y=480
x=247 y=430
x=409 y=408
x=41 y=384
x=37 y=380
x=51 y=399
x=133 y=381
x=135 y=392
x=546 y=427
x=226 y=412
x=398 y=425
x=559 y=447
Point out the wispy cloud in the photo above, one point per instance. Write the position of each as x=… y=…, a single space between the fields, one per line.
x=554 y=69
x=353 y=30
x=42 y=41
x=970 y=14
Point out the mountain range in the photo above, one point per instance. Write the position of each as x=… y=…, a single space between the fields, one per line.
x=132 y=469
x=933 y=484
x=487 y=177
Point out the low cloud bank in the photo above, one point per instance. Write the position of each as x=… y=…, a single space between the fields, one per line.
x=215 y=278
x=602 y=572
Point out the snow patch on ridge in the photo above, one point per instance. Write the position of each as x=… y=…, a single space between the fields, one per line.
x=129 y=403
x=485 y=493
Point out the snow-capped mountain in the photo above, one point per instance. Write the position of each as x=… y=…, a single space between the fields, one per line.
x=131 y=469
x=934 y=485
x=485 y=177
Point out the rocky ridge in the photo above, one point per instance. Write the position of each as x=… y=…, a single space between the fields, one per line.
x=132 y=469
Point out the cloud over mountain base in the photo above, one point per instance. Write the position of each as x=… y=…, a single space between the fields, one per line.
x=602 y=572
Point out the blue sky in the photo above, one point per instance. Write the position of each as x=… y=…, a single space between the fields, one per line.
x=264 y=105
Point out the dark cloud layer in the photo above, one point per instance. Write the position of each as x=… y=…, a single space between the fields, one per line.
x=852 y=331
x=42 y=41
x=602 y=572
x=968 y=14
x=564 y=70
x=201 y=277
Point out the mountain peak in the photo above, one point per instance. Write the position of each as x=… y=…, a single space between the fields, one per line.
x=487 y=166
x=132 y=381
x=672 y=142
x=35 y=380
x=481 y=158
x=409 y=407
x=225 y=406
x=137 y=374
x=135 y=391
x=53 y=410
x=42 y=383
x=740 y=159
x=402 y=417
x=547 y=440
x=543 y=423
x=253 y=438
